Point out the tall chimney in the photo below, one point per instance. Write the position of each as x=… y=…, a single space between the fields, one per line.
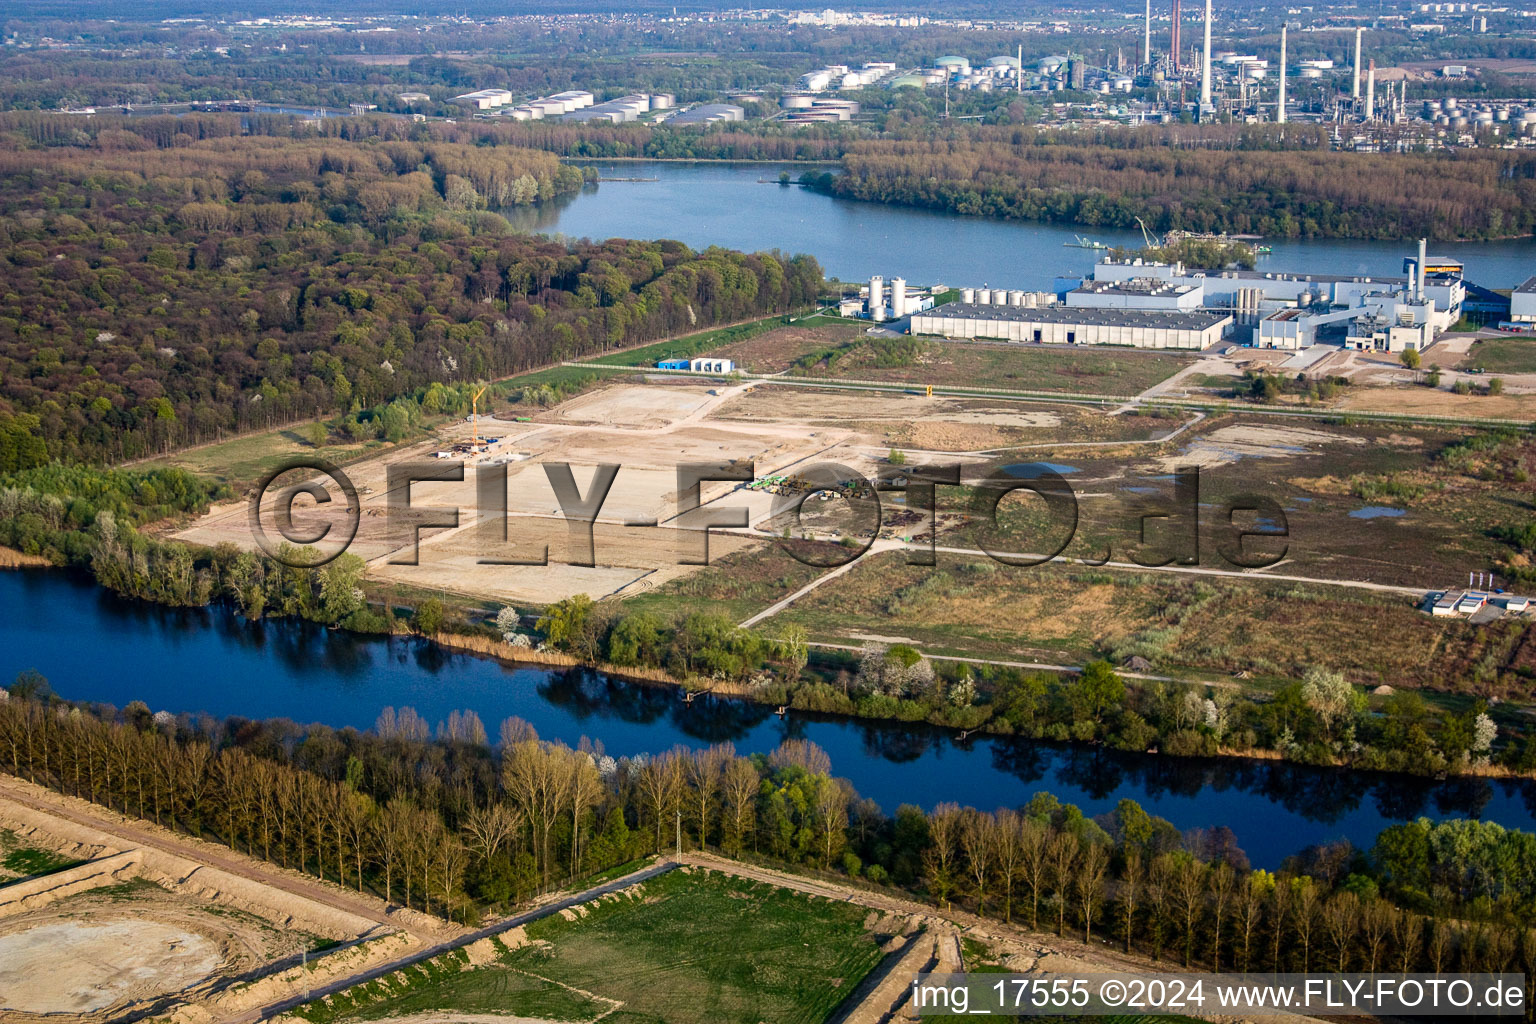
x=1354 y=93
x=1370 y=91
x=1173 y=37
x=1146 y=42
x=1205 y=63
x=1280 y=110
x=1418 y=291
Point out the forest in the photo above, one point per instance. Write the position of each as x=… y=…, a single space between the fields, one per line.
x=170 y=280
x=1017 y=173
x=454 y=823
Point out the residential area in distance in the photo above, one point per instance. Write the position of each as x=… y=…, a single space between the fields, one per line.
x=692 y=516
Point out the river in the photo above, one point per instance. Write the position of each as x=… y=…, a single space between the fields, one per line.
x=93 y=646
x=741 y=206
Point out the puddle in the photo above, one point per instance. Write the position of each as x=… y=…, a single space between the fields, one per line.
x=1377 y=512
x=1032 y=470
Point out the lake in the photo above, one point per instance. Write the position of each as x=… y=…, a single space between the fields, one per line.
x=93 y=646
x=742 y=206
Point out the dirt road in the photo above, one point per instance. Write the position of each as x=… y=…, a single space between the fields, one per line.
x=132 y=834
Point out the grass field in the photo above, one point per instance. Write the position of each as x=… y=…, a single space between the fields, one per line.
x=682 y=948
x=18 y=861
x=1502 y=355
x=691 y=345
x=242 y=461
x=1016 y=367
x=1209 y=627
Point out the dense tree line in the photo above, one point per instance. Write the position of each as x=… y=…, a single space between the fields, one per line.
x=1019 y=174
x=448 y=821
x=170 y=281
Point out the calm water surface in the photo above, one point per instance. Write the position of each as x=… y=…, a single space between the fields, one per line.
x=93 y=646
x=742 y=206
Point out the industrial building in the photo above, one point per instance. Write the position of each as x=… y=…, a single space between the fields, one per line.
x=698 y=365
x=710 y=113
x=880 y=303
x=485 y=99
x=621 y=110
x=1064 y=325
x=1138 y=293
x=1291 y=310
x=1522 y=303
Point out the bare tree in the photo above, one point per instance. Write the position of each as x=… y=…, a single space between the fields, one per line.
x=1304 y=901
x=1375 y=929
x=829 y=813
x=584 y=790
x=1033 y=838
x=1133 y=881
x=976 y=843
x=1188 y=891
x=660 y=785
x=1408 y=935
x=1341 y=918
x=1006 y=838
x=740 y=784
x=491 y=827
x=1090 y=883
x=1251 y=894
x=1223 y=882
x=1062 y=850
x=939 y=856
x=704 y=770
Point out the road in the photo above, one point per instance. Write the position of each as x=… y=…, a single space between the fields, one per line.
x=362 y=977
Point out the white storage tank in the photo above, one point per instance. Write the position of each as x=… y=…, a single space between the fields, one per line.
x=967 y=294
x=984 y=296
x=898 y=296
x=1016 y=297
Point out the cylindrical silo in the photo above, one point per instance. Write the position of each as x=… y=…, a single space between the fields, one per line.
x=898 y=296
x=967 y=294
x=984 y=296
x=876 y=295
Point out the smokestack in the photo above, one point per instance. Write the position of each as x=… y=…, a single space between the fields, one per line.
x=1280 y=111
x=1418 y=291
x=1146 y=43
x=1355 y=92
x=1019 y=80
x=1205 y=63
x=1370 y=91
x=1173 y=37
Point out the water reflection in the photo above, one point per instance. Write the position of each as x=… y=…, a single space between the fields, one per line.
x=93 y=646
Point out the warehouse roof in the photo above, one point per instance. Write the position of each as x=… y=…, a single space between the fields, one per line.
x=1529 y=287
x=1146 y=318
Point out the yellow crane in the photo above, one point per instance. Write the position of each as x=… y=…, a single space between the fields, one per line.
x=474 y=416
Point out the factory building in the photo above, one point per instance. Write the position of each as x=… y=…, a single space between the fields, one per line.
x=889 y=300
x=485 y=99
x=1253 y=294
x=1522 y=303
x=1063 y=325
x=698 y=365
x=1138 y=293
x=710 y=113
x=804 y=109
x=618 y=111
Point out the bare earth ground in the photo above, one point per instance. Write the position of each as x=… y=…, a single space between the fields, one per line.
x=162 y=922
x=645 y=429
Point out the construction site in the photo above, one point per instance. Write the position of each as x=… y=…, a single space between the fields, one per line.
x=149 y=924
